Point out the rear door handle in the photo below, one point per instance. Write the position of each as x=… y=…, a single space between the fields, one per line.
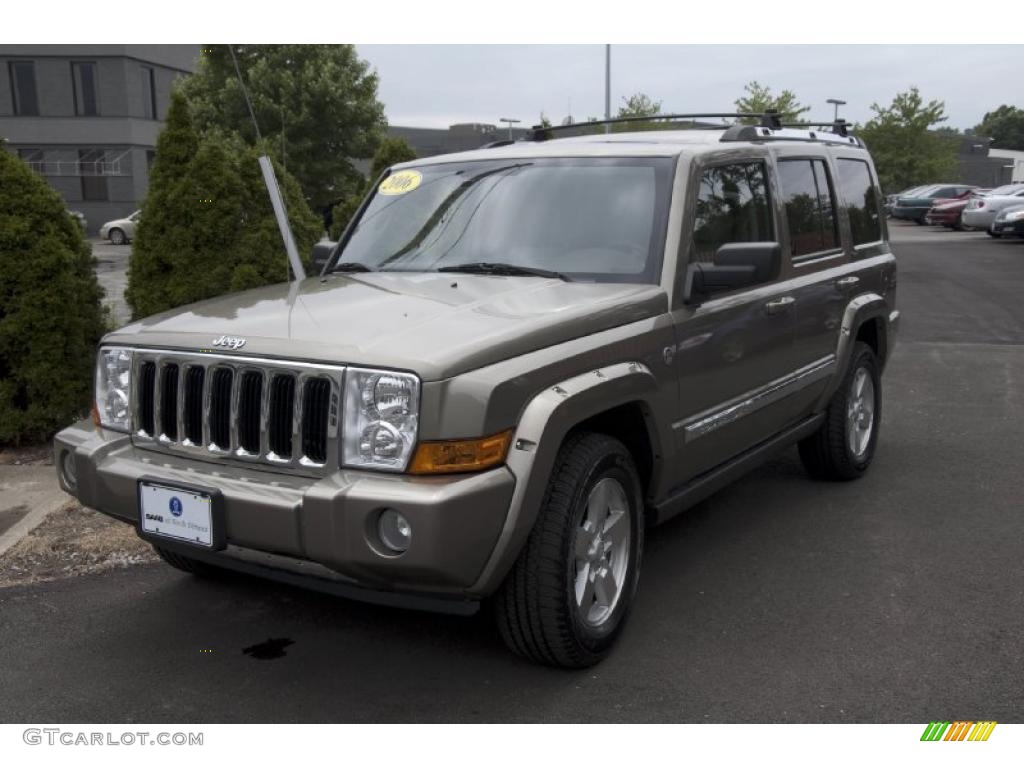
x=778 y=306
x=846 y=283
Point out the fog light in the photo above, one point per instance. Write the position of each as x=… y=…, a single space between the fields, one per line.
x=394 y=531
x=67 y=470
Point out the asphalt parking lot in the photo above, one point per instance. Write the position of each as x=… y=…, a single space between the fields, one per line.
x=897 y=598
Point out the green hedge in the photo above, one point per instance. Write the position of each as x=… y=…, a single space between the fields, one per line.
x=51 y=316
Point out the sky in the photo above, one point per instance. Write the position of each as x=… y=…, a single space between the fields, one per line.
x=437 y=85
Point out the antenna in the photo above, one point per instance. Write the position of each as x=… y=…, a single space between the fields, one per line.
x=273 y=189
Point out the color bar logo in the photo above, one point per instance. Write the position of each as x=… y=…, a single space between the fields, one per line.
x=961 y=730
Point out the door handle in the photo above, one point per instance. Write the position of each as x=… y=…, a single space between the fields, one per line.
x=847 y=283
x=778 y=306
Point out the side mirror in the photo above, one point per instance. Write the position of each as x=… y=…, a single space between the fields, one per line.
x=322 y=254
x=736 y=265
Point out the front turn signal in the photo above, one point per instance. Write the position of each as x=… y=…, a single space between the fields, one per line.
x=447 y=456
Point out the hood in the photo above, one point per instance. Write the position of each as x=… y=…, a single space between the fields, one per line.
x=438 y=325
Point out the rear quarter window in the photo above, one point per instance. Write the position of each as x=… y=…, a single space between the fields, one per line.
x=860 y=198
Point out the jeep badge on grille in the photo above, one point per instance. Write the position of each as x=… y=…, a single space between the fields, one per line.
x=231 y=342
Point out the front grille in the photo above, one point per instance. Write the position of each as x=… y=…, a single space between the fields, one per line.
x=238 y=409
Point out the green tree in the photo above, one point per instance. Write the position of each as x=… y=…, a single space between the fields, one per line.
x=51 y=316
x=315 y=104
x=639 y=105
x=1005 y=126
x=906 y=148
x=759 y=99
x=209 y=228
x=392 y=150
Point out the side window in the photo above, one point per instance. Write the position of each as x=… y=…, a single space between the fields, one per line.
x=861 y=199
x=732 y=207
x=808 y=200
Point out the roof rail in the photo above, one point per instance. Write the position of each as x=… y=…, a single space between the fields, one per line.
x=768 y=119
x=837 y=134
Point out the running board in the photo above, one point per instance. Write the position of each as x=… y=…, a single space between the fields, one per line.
x=704 y=485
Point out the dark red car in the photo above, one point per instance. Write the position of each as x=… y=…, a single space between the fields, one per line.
x=946 y=212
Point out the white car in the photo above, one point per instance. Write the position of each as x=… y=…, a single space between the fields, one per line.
x=981 y=211
x=120 y=231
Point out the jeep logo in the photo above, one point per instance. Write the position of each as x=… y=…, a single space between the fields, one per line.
x=231 y=342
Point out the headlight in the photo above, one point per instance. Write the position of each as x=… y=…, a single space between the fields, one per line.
x=381 y=418
x=1015 y=215
x=113 y=387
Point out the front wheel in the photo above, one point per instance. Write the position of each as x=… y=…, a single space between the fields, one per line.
x=990 y=233
x=117 y=237
x=567 y=597
x=844 y=444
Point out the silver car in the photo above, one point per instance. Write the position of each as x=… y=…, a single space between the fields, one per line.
x=981 y=211
x=120 y=231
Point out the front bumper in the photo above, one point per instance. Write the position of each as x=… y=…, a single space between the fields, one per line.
x=324 y=526
x=1008 y=227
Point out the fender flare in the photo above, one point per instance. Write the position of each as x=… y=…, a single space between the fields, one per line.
x=861 y=309
x=543 y=426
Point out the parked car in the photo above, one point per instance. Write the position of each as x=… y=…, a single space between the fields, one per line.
x=120 y=231
x=915 y=206
x=80 y=218
x=947 y=213
x=890 y=200
x=982 y=211
x=519 y=358
x=1009 y=221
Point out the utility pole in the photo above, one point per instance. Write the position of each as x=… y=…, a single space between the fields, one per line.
x=607 y=86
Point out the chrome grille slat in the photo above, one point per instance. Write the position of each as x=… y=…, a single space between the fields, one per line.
x=229 y=409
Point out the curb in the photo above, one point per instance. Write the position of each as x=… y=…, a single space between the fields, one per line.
x=31 y=521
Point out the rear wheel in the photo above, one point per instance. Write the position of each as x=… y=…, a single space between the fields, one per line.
x=844 y=444
x=568 y=595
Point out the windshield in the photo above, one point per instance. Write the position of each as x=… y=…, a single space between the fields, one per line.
x=586 y=218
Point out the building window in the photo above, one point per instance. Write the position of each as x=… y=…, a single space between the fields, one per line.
x=861 y=196
x=94 y=183
x=732 y=207
x=83 y=74
x=150 y=157
x=148 y=93
x=807 y=197
x=23 y=87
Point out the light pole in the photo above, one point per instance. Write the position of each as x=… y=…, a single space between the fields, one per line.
x=607 y=86
x=838 y=103
x=510 y=122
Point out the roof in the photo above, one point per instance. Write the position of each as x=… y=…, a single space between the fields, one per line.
x=636 y=144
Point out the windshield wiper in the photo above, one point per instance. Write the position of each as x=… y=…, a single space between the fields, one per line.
x=500 y=268
x=352 y=266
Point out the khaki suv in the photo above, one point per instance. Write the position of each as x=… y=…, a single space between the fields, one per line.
x=516 y=361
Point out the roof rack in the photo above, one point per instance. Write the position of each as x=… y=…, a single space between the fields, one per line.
x=836 y=133
x=769 y=119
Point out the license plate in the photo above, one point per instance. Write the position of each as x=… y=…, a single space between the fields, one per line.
x=177 y=513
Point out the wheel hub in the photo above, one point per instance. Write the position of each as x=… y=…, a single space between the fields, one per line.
x=601 y=550
x=860 y=412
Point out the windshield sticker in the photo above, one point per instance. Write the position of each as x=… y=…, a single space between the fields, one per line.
x=401 y=182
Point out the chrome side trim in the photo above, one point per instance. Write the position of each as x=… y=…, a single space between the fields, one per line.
x=708 y=421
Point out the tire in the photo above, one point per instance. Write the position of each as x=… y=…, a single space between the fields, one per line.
x=919 y=222
x=990 y=233
x=832 y=452
x=117 y=236
x=187 y=564
x=537 y=609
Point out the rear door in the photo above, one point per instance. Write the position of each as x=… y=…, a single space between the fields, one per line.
x=733 y=349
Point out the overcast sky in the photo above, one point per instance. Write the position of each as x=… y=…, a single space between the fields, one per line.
x=436 y=85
